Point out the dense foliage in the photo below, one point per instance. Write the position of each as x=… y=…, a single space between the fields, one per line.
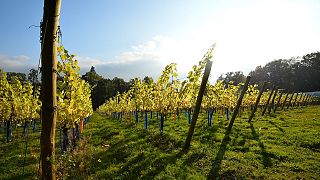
x=295 y=74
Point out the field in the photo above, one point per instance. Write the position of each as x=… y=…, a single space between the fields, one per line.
x=285 y=145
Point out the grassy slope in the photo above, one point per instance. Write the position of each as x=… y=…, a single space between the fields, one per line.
x=284 y=145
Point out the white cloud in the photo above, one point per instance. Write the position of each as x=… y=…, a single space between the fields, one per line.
x=153 y=54
x=20 y=63
x=85 y=62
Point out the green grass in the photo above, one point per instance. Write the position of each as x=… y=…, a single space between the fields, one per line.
x=12 y=155
x=285 y=145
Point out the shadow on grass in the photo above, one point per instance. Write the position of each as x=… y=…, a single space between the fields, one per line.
x=134 y=154
x=275 y=125
x=214 y=172
x=142 y=165
x=164 y=142
x=266 y=160
x=162 y=163
x=13 y=153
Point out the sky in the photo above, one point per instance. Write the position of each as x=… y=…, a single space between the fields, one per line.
x=127 y=39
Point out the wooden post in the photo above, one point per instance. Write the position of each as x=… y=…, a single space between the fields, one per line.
x=236 y=109
x=309 y=99
x=272 y=101
x=263 y=87
x=198 y=105
x=278 y=103
x=289 y=103
x=285 y=100
x=295 y=99
x=49 y=30
x=81 y=125
x=301 y=99
x=267 y=103
x=305 y=99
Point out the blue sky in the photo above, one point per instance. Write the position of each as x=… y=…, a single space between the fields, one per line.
x=127 y=38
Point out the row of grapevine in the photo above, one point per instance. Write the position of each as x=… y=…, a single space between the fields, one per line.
x=19 y=104
x=73 y=98
x=169 y=95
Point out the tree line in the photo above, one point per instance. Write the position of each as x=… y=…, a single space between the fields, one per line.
x=104 y=88
x=299 y=74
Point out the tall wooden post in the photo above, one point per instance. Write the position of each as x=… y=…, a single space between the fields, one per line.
x=49 y=30
x=272 y=101
x=295 y=100
x=301 y=98
x=198 y=105
x=285 y=100
x=304 y=100
x=257 y=100
x=267 y=103
x=289 y=103
x=308 y=100
x=236 y=109
x=278 y=103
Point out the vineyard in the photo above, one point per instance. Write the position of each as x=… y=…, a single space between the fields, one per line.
x=169 y=105
x=285 y=142
x=170 y=96
x=178 y=126
x=20 y=103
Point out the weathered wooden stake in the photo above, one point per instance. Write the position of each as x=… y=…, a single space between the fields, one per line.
x=49 y=30
x=236 y=109
x=308 y=100
x=278 y=103
x=305 y=99
x=272 y=101
x=300 y=99
x=263 y=87
x=285 y=100
x=198 y=105
x=295 y=100
x=267 y=103
x=289 y=103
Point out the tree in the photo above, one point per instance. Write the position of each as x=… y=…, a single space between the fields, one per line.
x=102 y=91
x=148 y=80
x=92 y=77
x=33 y=77
x=21 y=76
x=296 y=74
x=235 y=77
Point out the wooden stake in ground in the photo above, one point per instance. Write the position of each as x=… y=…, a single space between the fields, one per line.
x=278 y=103
x=198 y=105
x=236 y=109
x=272 y=101
x=267 y=103
x=289 y=103
x=257 y=101
x=300 y=100
x=285 y=100
x=49 y=33
x=295 y=100
x=304 y=99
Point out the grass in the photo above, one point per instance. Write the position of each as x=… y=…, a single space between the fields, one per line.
x=284 y=145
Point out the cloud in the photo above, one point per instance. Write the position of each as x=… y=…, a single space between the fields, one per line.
x=129 y=70
x=144 y=59
x=149 y=58
x=20 y=63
